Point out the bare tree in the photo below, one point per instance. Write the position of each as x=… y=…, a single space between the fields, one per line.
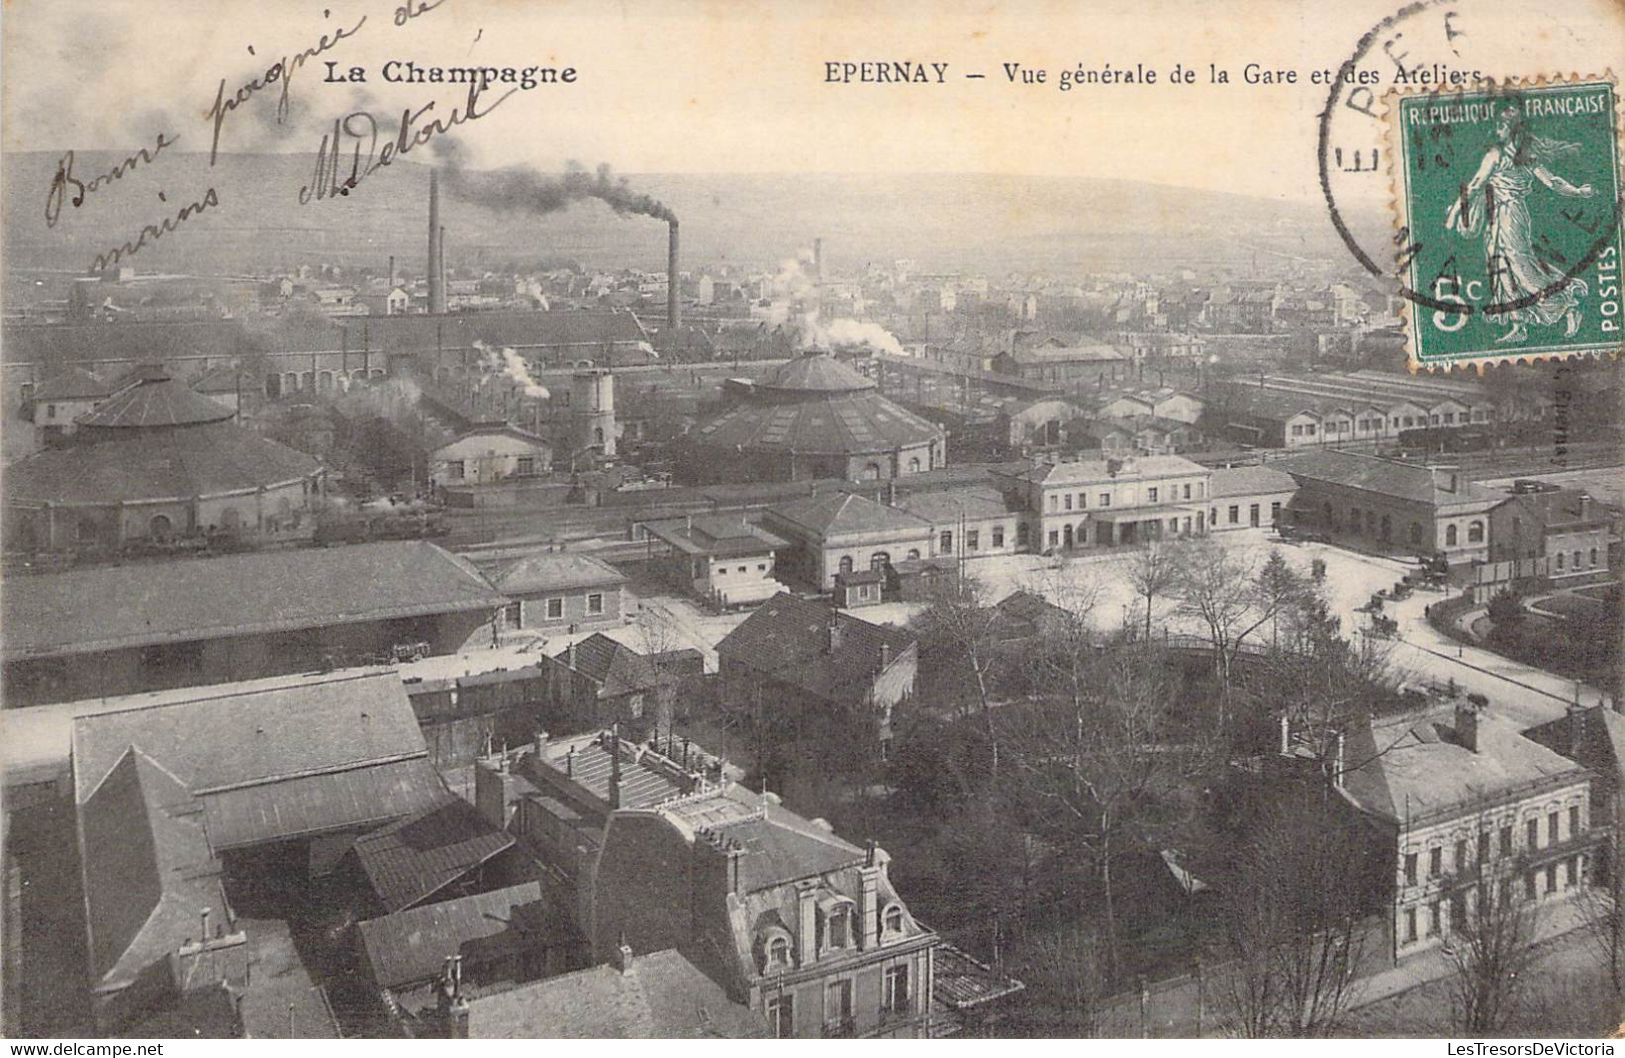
x=1152 y=574
x=1603 y=904
x=960 y=624
x=1091 y=755
x=1492 y=950
x=1219 y=587
x=1065 y=981
x=1295 y=918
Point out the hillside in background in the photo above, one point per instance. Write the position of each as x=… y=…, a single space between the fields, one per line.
x=941 y=222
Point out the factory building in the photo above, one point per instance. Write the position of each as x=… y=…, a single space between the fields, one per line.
x=156 y=462
x=109 y=630
x=813 y=417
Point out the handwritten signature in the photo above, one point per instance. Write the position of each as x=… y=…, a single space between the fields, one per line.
x=58 y=194
x=280 y=71
x=357 y=134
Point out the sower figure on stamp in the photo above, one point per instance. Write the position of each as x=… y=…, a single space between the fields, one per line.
x=1536 y=290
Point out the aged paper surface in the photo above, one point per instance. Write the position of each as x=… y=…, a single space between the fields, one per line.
x=963 y=473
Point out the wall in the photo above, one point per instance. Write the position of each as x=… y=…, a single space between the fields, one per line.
x=1270 y=506
x=227 y=659
x=1430 y=890
x=488 y=457
x=534 y=614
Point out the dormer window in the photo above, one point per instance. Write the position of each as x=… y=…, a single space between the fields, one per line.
x=773 y=950
x=892 y=920
x=838 y=927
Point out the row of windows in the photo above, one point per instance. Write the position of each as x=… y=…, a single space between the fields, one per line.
x=839 y=1020
x=1153 y=494
x=1408 y=422
x=554 y=609
x=1413 y=927
x=761 y=567
x=1504 y=847
x=1558 y=559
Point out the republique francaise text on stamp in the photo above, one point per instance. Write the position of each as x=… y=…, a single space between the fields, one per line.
x=1507 y=200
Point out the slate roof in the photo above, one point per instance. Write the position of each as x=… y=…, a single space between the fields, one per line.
x=1414 y=766
x=815 y=371
x=154 y=465
x=716 y=535
x=1249 y=481
x=1084 y=351
x=72 y=383
x=843 y=513
x=221 y=739
x=661 y=996
x=618 y=669
x=555 y=571
x=1092 y=470
x=819 y=423
x=1387 y=477
x=410 y=947
x=154 y=403
x=971 y=503
x=411 y=859
x=111 y=607
x=782 y=847
x=786 y=639
x=318 y=804
x=146 y=865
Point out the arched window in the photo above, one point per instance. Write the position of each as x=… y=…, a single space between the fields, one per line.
x=1593 y=556
x=1577 y=560
x=879 y=560
x=598 y=435
x=914 y=465
x=871 y=472
x=892 y=920
x=913 y=552
x=778 y=951
x=1416 y=533
x=1475 y=532
x=160 y=527
x=846 y=564
x=1449 y=536
x=1560 y=560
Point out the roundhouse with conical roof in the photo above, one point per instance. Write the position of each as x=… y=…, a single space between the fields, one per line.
x=813 y=417
x=154 y=461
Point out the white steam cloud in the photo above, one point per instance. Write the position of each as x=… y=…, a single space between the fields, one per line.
x=794 y=290
x=505 y=361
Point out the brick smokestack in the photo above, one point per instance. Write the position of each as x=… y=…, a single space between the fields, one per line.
x=674 y=313
x=437 y=273
x=818 y=260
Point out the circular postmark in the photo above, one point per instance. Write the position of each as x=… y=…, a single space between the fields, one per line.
x=1466 y=138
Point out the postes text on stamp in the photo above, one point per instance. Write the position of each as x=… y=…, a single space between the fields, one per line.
x=1507 y=200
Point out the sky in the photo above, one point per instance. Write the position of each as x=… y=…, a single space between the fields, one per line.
x=729 y=87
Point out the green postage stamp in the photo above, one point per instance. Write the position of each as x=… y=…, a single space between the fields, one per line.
x=1508 y=221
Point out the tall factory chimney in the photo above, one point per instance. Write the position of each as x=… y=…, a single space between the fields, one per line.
x=437 y=272
x=392 y=271
x=818 y=260
x=440 y=256
x=674 y=313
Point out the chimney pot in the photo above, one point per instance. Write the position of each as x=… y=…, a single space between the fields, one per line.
x=1467 y=716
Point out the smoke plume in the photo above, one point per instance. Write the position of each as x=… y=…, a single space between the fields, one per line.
x=509 y=363
x=522 y=189
x=796 y=298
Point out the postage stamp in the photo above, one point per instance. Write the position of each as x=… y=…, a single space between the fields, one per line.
x=1507 y=220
